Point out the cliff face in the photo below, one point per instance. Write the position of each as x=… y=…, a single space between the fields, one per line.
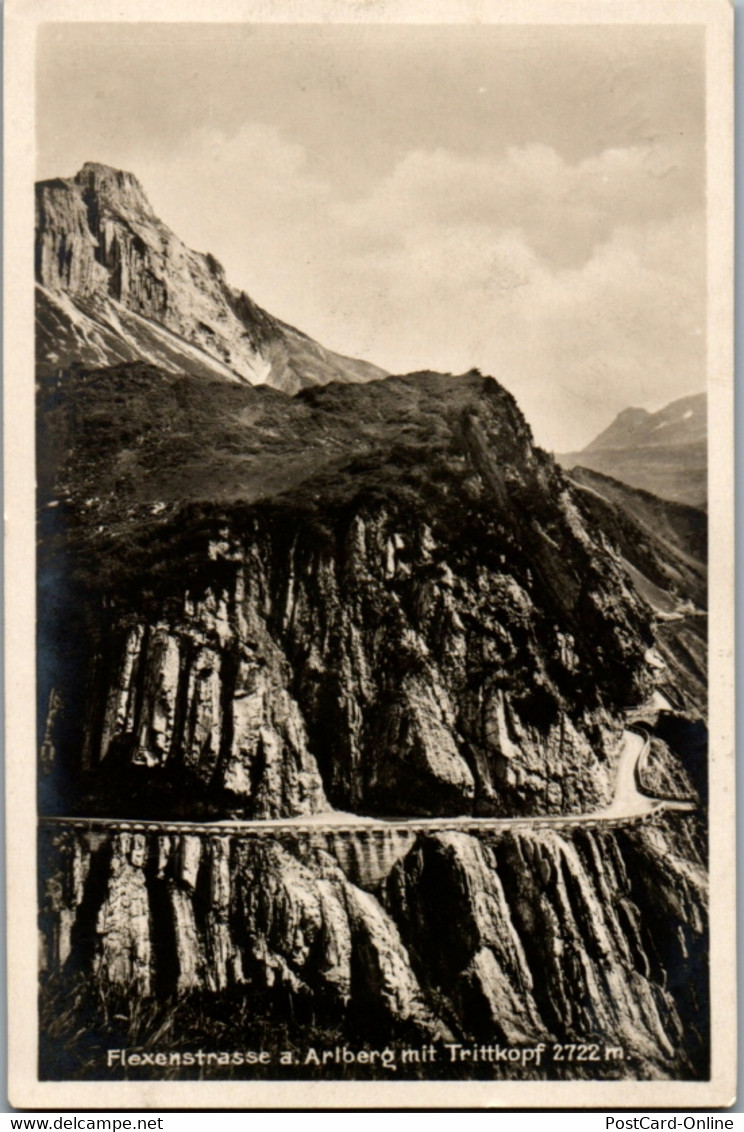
x=181 y=912
x=533 y=937
x=554 y=935
x=334 y=644
x=281 y=681
x=115 y=284
x=205 y=699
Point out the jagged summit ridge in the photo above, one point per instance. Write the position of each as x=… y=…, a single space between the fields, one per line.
x=115 y=284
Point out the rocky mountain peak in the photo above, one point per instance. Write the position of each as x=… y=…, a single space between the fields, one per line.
x=115 y=285
x=116 y=189
x=683 y=421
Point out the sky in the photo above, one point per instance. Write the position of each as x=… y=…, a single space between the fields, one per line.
x=525 y=199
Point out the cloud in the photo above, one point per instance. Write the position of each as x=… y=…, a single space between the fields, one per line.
x=234 y=191
x=575 y=345
x=463 y=262
x=565 y=207
x=580 y=285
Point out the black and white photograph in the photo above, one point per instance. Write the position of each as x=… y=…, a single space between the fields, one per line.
x=376 y=411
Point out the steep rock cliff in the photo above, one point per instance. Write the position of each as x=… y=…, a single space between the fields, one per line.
x=175 y=913
x=421 y=617
x=595 y=939
x=665 y=452
x=551 y=935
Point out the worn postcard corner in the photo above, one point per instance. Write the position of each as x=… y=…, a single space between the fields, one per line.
x=369 y=590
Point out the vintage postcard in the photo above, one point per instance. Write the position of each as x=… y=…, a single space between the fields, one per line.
x=369 y=527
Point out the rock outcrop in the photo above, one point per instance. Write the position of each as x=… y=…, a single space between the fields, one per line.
x=333 y=642
x=176 y=913
x=549 y=937
x=591 y=938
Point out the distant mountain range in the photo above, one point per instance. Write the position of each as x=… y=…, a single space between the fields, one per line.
x=114 y=285
x=663 y=452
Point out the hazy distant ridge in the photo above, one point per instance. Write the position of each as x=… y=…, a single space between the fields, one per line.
x=665 y=452
x=682 y=422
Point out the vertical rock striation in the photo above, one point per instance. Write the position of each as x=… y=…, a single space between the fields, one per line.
x=177 y=913
x=315 y=675
x=521 y=938
x=332 y=643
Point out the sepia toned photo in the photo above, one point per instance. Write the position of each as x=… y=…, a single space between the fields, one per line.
x=369 y=445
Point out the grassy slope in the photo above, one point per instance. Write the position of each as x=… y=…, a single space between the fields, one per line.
x=677 y=473
x=666 y=543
